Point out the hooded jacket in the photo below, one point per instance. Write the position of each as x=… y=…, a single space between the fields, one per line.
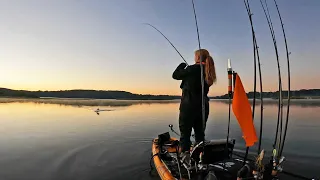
x=191 y=86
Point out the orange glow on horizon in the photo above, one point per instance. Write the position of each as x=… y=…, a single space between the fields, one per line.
x=163 y=88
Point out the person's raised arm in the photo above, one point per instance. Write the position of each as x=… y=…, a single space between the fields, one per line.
x=181 y=72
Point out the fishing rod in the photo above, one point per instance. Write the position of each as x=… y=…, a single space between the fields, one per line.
x=288 y=63
x=167 y=40
x=201 y=69
x=280 y=102
x=280 y=92
x=254 y=82
x=256 y=58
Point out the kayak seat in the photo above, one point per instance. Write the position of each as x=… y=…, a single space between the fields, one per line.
x=213 y=150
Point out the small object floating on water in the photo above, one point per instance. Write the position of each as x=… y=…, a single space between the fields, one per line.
x=98 y=110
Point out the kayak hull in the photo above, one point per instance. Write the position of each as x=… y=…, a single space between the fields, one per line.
x=160 y=166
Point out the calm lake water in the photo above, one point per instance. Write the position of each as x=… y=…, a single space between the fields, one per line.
x=60 y=142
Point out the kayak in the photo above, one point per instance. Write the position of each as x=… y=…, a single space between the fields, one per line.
x=160 y=164
x=211 y=160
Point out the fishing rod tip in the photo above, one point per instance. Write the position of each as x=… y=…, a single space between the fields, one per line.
x=146 y=24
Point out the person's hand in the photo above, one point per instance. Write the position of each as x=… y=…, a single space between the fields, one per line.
x=182 y=65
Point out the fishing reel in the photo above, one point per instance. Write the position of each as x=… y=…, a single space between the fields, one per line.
x=255 y=169
x=271 y=170
x=277 y=167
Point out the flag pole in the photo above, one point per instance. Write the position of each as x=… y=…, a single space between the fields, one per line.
x=229 y=69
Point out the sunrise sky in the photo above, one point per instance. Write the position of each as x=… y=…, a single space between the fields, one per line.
x=103 y=45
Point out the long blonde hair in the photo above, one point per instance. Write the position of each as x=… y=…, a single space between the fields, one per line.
x=210 y=70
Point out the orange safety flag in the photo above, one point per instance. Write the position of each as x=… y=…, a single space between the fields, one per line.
x=242 y=110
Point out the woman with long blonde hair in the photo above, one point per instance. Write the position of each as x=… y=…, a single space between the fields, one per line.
x=191 y=102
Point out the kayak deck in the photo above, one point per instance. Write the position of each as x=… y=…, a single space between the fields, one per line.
x=160 y=164
x=170 y=167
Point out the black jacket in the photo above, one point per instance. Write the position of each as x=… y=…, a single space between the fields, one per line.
x=191 y=86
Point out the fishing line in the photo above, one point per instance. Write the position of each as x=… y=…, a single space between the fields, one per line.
x=167 y=40
x=201 y=68
x=288 y=62
x=256 y=58
x=280 y=102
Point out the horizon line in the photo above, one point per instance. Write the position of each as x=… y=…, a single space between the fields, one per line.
x=146 y=94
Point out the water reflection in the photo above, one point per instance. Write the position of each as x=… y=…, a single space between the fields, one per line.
x=72 y=142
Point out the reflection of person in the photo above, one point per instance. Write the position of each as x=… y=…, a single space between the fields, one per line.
x=191 y=102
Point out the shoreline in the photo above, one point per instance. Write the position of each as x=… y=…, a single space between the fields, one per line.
x=84 y=102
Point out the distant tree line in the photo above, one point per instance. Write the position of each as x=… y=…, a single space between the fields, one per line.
x=123 y=95
x=92 y=94
x=16 y=93
x=296 y=94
